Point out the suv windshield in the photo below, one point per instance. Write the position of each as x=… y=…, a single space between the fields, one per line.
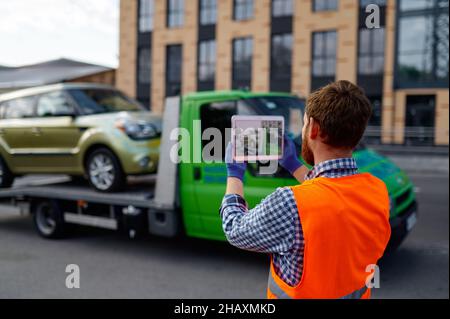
x=291 y=108
x=97 y=101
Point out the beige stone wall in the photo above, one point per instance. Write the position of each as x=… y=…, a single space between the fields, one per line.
x=387 y=124
x=344 y=21
x=162 y=37
x=442 y=117
x=126 y=73
x=258 y=28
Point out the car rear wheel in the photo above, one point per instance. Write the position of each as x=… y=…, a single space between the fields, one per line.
x=6 y=177
x=104 y=171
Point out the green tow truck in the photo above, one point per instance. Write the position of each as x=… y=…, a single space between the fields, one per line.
x=183 y=197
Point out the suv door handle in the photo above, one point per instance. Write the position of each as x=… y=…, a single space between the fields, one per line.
x=197 y=173
x=36 y=131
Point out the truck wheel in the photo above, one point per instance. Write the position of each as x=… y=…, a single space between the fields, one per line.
x=104 y=171
x=6 y=177
x=49 y=220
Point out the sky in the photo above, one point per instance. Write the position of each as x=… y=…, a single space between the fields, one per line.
x=33 y=31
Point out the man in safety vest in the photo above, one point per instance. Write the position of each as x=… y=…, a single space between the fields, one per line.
x=325 y=233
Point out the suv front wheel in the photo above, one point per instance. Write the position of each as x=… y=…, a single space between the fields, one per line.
x=104 y=171
x=6 y=177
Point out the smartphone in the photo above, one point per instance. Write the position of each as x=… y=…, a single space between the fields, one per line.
x=257 y=138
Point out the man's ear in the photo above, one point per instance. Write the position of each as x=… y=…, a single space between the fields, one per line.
x=314 y=129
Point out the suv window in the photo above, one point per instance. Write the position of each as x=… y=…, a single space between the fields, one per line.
x=54 y=104
x=18 y=108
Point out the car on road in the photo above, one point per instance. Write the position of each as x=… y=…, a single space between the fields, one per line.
x=83 y=130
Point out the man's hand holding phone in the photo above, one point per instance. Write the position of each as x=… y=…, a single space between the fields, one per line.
x=234 y=168
x=290 y=160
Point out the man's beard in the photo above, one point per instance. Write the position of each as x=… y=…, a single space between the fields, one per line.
x=307 y=153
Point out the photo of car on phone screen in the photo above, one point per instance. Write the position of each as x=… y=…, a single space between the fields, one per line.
x=257 y=138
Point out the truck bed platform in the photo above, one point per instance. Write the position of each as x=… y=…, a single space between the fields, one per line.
x=137 y=193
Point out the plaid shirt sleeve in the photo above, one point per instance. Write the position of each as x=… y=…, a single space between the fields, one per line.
x=268 y=228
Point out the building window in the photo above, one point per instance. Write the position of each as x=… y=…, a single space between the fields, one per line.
x=208 y=12
x=243 y=9
x=144 y=66
x=173 y=70
x=324 y=58
x=146 y=11
x=242 y=63
x=282 y=8
x=206 y=65
x=413 y=5
x=175 y=13
x=371 y=51
x=420 y=120
x=423 y=54
x=281 y=63
x=325 y=5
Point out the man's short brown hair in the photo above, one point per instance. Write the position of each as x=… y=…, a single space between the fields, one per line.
x=342 y=111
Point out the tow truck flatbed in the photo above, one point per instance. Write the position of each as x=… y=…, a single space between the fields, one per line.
x=139 y=194
x=148 y=205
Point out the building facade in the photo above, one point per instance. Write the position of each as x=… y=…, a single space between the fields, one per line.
x=397 y=51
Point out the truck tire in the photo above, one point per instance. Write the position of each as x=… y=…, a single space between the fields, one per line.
x=48 y=219
x=6 y=177
x=104 y=171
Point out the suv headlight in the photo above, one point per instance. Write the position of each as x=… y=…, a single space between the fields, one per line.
x=137 y=130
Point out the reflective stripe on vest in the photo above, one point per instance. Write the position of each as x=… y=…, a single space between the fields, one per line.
x=280 y=294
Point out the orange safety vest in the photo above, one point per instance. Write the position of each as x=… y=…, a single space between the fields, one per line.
x=345 y=223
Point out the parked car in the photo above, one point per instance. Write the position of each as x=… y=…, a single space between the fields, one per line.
x=88 y=130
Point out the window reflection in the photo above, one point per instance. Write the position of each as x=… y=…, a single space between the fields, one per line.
x=208 y=12
x=282 y=8
x=281 y=70
x=175 y=16
x=242 y=62
x=423 y=43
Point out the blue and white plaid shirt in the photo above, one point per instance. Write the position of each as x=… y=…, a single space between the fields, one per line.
x=274 y=226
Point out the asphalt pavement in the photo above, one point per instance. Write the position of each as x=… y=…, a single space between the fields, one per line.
x=112 y=266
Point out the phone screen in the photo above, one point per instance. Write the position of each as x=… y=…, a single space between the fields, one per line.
x=257 y=137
